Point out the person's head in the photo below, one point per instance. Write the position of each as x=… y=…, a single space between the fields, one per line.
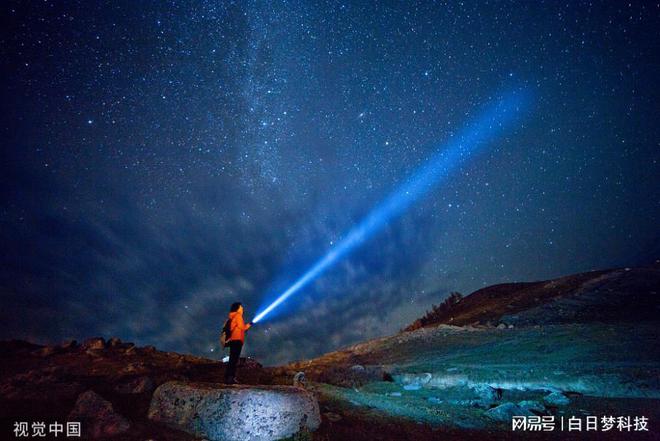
x=236 y=307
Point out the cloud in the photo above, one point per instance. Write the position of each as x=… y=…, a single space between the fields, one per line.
x=168 y=277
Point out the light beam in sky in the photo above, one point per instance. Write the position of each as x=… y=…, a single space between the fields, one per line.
x=490 y=123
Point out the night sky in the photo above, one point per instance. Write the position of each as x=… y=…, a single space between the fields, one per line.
x=161 y=160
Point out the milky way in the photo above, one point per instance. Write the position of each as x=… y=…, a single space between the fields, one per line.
x=162 y=160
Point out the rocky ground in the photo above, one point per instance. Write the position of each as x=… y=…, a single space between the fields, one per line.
x=609 y=360
x=109 y=386
x=106 y=384
x=472 y=381
x=580 y=346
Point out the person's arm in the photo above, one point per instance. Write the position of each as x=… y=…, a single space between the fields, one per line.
x=242 y=324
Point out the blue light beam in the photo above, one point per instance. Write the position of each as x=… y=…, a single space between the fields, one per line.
x=486 y=127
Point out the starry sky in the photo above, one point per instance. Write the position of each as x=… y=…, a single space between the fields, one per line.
x=161 y=160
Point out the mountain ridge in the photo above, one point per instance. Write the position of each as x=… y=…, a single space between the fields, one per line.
x=508 y=302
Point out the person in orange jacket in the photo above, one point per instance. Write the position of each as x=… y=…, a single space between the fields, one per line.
x=237 y=329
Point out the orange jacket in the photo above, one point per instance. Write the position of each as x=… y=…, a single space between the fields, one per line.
x=237 y=327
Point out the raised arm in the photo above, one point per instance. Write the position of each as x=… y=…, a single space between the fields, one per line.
x=240 y=323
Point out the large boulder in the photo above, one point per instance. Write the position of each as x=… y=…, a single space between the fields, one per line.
x=219 y=412
x=556 y=399
x=487 y=395
x=97 y=416
x=505 y=412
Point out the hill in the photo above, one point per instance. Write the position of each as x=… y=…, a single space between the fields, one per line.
x=608 y=296
x=584 y=344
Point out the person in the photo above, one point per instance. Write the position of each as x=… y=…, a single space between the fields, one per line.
x=236 y=339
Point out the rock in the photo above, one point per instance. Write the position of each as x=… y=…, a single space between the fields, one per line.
x=501 y=326
x=114 y=342
x=299 y=380
x=149 y=349
x=332 y=417
x=556 y=399
x=69 y=344
x=55 y=370
x=135 y=368
x=136 y=386
x=466 y=403
x=249 y=363
x=95 y=353
x=217 y=412
x=97 y=416
x=40 y=386
x=532 y=406
x=487 y=395
x=352 y=376
x=45 y=351
x=505 y=412
x=94 y=343
x=11 y=390
x=510 y=326
x=413 y=379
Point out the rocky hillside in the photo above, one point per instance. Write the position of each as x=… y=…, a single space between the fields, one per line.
x=616 y=295
x=107 y=384
x=578 y=345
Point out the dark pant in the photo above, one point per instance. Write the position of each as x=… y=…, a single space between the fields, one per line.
x=235 y=347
